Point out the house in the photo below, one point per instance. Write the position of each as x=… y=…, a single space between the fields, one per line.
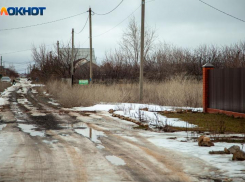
x=79 y=53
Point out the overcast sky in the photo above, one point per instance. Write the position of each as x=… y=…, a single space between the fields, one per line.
x=184 y=23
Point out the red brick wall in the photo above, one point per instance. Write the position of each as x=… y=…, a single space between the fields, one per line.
x=229 y=113
x=205 y=89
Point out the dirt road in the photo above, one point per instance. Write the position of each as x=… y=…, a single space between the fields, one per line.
x=41 y=142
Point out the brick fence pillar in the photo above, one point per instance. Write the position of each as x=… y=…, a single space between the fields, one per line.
x=206 y=67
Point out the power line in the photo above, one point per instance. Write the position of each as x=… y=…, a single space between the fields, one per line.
x=121 y=21
x=118 y=23
x=28 y=26
x=85 y=41
x=15 y=52
x=27 y=49
x=83 y=26
x=20 y=51
x=111 y=10
x=23 y=63
x=222 y=11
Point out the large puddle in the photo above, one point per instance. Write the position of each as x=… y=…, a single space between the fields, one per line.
x=115 y=160
x=83 y=129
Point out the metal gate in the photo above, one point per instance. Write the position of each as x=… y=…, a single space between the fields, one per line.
x=226 y=89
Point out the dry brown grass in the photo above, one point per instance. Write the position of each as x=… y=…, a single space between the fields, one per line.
x=174 y=92
x=4 y=85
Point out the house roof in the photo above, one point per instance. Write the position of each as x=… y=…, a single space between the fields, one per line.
x=81 y=62
x=81 y=53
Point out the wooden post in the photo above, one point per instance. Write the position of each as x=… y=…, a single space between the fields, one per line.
x=72 y=57
x=91 y=47
x=58 y=49
x=142 y=49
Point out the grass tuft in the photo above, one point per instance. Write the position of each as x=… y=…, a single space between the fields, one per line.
x=219 y=123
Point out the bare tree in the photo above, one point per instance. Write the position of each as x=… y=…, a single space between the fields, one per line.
x=130 y=44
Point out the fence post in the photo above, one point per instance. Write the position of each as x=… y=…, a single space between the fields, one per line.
x=205 y=69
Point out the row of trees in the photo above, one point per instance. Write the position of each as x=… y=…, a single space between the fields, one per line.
x=161 y=60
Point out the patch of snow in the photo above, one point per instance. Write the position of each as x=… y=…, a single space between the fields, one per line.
x=153 y=118
x=131 y=106
x=50 y=142
x=98 y=107
x=45 y=93
x=53 y=103
x=11 y=89
x=31 y=130
x=223 y=162
x=95 y=116
x=2 y=126
x=3 y=101
x=115 y=160
x=100 y=146
x=23 y=90
x=37 y=114
x=34 y=91
x=22 y=101
x=20 y=121
x=130 y=138
x=37 y=85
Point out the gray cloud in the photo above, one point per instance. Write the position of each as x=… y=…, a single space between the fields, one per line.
x=185 y=23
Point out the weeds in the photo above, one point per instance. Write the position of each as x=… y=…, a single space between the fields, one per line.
x=177 y=91
x=217 y=123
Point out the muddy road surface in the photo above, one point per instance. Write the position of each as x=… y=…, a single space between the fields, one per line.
x=40 y=141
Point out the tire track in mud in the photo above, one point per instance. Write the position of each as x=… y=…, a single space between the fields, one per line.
x=41 y=116
x=171 y=160
x=138 y=157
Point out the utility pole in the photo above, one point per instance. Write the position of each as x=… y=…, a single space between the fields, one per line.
x=142 y=49
x=58 y=49
x=50 y=56
x=1 y=69
x=91 y=56
x=72 y=57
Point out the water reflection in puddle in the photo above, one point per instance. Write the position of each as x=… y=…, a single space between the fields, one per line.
x=115 y=160
x=94 y=135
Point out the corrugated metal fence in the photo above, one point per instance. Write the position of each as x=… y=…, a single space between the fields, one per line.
x=227 y=89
